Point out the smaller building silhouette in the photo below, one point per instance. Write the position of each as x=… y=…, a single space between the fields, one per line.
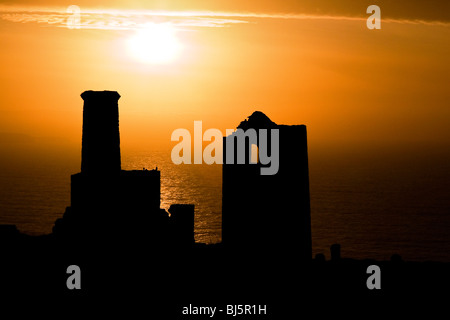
x=109 y=204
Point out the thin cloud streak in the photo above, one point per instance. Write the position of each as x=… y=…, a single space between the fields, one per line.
x=110 y=19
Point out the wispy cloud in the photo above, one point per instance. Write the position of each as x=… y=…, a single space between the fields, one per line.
x=116 y=19
x=109 y=19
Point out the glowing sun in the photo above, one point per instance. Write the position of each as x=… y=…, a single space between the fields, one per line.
x=155 y=44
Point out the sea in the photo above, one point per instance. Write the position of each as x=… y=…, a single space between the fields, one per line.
x=374 y=204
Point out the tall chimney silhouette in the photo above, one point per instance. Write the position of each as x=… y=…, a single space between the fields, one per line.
x=101 y=140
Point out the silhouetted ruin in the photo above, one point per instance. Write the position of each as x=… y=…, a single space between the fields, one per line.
x=111 y=204
x=269 y=213
x=100 y=151
x=125 y=244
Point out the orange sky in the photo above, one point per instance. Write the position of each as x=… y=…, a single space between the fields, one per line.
x=350 y=85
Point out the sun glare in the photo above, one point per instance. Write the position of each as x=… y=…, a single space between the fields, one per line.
x=155 y=44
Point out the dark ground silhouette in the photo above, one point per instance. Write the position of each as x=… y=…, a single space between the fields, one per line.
x=131 y=250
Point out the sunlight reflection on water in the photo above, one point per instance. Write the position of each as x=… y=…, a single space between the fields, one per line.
x=200 y=185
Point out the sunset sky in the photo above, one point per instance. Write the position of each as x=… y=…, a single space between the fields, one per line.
x=300 y=62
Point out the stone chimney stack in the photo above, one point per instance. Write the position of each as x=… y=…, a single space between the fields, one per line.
x=101 y=140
